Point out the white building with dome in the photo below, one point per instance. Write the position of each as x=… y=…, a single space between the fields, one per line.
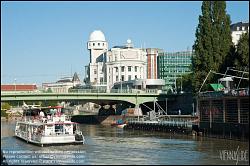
x=120 y=63
x=98 y=48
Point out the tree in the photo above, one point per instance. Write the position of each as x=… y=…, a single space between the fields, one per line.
x=242 y=52
x=186 y=82
x=222 y=39
x=213 y=42
x=241 y=61
x=5 y=106
x=202 y=60
x=49 y=103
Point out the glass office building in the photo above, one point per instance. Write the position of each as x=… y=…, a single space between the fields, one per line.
x=172 y=65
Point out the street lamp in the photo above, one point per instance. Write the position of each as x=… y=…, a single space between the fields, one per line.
x=121 y=85
x=181 y=85
x=15 y=84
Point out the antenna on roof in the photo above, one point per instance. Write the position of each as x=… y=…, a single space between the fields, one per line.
x=71 y=70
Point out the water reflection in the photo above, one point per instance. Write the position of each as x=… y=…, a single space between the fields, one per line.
x=108 y=145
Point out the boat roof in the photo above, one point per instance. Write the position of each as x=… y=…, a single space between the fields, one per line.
x=40 y=123
x=217 y=87
x=32 y=123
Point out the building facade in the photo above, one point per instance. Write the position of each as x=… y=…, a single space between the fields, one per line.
x=237 y=30
x=125 y=63
x=19 y=87
x=172 y=66
x=62 y=85
x=152 y=70
x=98 y=47
x=120 y=63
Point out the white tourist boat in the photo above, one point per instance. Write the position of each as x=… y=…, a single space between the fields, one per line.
x=48 y=126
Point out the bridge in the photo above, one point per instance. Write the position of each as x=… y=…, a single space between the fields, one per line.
x=88 y=96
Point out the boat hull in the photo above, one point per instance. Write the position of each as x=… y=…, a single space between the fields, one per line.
x=50 y=143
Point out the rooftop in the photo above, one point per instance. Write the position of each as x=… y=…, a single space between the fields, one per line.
x=233 y=27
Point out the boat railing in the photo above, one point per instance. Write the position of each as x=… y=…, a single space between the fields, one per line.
x=37 y=136
x=37 y=119
x=231 y=92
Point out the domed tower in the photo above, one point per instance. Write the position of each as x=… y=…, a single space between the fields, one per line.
x=97 y=45
x=98 y=48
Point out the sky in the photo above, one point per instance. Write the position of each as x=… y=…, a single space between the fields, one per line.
x=43 y=41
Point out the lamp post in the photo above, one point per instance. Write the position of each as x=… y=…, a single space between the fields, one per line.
x=121 y=85
x=15 y=84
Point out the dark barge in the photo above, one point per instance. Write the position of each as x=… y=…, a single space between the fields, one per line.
x=224 y=112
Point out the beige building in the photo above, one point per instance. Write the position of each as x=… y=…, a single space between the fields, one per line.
x=120 y=63
x=125 y=63
x=62 y=85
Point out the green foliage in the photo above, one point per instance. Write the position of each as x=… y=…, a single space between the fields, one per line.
x=3 y=113
x=242 y=53
x=49 y=103
x=241 y=61
x=213 y=42
x=185 y=82
x=5 y=106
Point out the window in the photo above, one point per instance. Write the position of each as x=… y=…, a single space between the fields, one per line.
x=116 y=78
x=123 y=68
x=93 y=44
x=116 y=69
x=101 y=79
x=103 y=44
x=135 y=68
x=129 y=68
x=122 y=77
x=98 y=44
x=94 y=71
x=129 y=77
x=135 y=76
x=109 y=70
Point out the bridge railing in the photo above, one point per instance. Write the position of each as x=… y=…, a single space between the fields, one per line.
x=154 y=91
x=129 y=91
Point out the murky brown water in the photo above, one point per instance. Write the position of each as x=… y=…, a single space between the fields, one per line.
x=107 y=145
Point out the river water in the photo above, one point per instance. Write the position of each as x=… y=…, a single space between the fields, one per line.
x=108 y=145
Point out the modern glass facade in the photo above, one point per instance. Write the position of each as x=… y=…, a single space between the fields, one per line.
x=173 y=65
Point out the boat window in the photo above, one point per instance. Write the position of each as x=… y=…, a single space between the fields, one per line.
x=58 y=128
x=22 y=127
